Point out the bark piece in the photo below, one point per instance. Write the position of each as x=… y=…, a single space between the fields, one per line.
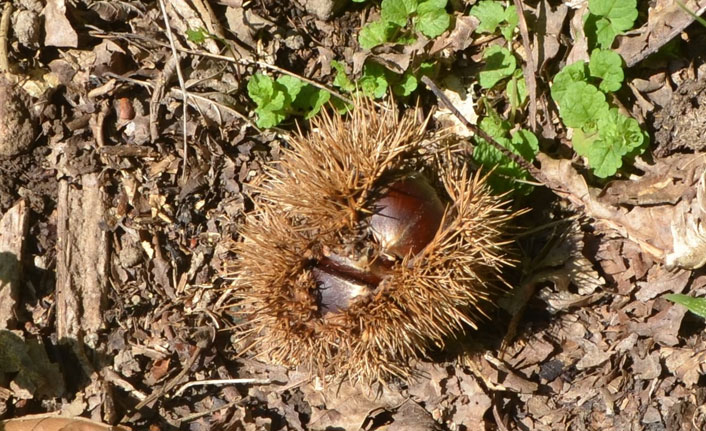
x=13 y=228
x=82 y=254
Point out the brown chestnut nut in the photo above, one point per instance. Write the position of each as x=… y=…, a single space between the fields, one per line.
x=336 y=291
x=407 y=216
x=340 y=281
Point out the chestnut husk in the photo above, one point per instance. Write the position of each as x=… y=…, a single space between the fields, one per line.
x=321 y=217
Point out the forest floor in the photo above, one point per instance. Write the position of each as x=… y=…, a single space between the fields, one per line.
x=118 y=203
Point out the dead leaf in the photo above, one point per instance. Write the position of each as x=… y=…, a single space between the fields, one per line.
x=57 y=28
x=665 y=20
x=48 y=422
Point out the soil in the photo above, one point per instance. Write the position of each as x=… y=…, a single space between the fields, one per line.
x=118 y=208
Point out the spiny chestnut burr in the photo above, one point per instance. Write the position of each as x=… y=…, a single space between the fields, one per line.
x=365 y=248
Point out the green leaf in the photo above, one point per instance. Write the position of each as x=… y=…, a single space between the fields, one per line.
x=604 y=159
x=608 y=66
x=273 y=98
x=398 y=11
x=406 y=85
x=490 y=13
x=292 y=86
x=575 y=72
x=695 y=305
x=341 y=80
x=611 y=17
x=431 y=19
x=582 y=105
x=516 y=89
x=260 y=88
x=499 y=63
x=615 y=137
x=436 y=4
x=373 y=82
x=267 y=118
x=523 y=143
x=310 y=100
x=197 y=36
x=375 y=33
x=511 y=20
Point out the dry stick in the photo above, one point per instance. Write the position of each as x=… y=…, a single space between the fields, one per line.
x=241 y=61
x=220 y=382
x=193 y=98
x=534 y=171
x=530 y=68
x=173 y=382
x=4 y=30
x=185 y=95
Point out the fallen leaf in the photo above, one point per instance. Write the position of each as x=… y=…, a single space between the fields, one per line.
x=57 y=28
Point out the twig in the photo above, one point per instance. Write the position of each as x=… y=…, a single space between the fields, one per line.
x=241 y=61
x=169 y=385
x=209 y=412
x=4 y=30
x=185 y=95
x=221 y=382
x=193 y=96
x=535 y=172
x=530 y=67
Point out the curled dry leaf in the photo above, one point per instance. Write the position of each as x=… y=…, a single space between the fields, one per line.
x=56 y=423
x=689 y=233
x=660 y=211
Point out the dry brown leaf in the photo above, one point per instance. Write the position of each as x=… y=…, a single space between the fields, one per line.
x=57 y=28
x=347 y=406
x=56 y=423
x=666 y=20
x=655 y=228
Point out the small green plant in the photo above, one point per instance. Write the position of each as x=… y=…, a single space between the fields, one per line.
x=500 y=62
x=695 y=305
x=601 y=133
x=521 y=142
x=493 y=16
x=607 y=19
x=429 y=17
x=287 y=95
x=275 y=99
x=376 y=80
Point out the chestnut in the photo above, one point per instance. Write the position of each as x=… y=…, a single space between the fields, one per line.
x=405 y=219
x=407 y=216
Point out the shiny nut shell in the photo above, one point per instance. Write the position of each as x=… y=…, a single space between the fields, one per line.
x=407 y=216
x=336 y=291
